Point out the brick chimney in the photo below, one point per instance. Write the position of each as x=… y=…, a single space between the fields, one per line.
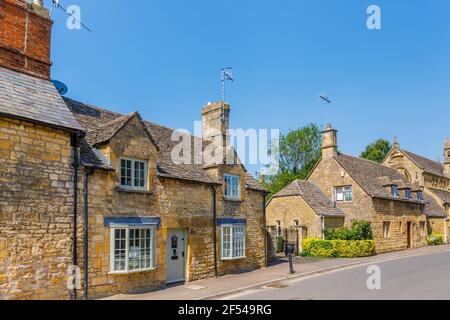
x=25 y=35
x=447 y=156
x=329 y=142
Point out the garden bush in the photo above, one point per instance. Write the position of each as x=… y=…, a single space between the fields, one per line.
x=435 y=239
x=313 y=247
x=360 y=230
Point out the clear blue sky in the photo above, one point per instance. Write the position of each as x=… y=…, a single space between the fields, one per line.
x=162 y=58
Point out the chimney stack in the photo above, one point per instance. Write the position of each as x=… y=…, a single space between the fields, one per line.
x=329 y=142
x=216 y=121
x=447 y=156
x=25 y=35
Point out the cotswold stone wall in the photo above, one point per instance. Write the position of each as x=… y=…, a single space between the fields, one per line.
x=399 y=214
x=399 y=161
x=329 y=174
x=35 y=211
x=288 y=209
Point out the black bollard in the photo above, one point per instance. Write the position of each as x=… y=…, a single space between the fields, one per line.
x=291 y=265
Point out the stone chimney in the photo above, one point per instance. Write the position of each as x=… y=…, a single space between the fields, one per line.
x=447 y=156
x=329 y=142
x=25 y=35
x=216 y=120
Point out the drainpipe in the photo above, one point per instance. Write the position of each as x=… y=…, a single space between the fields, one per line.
x=265 y=229
x=75 y=143
x=323 y=227
x=215 y=229
x=87 y=173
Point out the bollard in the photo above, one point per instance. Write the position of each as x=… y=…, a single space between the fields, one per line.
x=291 y=265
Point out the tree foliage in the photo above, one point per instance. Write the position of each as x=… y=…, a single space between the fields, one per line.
x=299 y=150
x=377 y=150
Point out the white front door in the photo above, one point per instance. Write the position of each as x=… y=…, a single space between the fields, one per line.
x=176 y=255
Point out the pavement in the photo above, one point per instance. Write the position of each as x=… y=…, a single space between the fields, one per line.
x=270 y=277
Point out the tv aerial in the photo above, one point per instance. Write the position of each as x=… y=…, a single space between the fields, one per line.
x=323 y=97
x=56 y=5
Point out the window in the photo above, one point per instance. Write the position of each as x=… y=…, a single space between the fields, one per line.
x=394 y=191
x=386 y=229
x=408 y=194
x=233 y=242
x=296 y=223
x=343 y=194
x=133 y=174
x=423 y=231
x=232 y=186
x=132 y=249
x=279 y=230
x=420 y=195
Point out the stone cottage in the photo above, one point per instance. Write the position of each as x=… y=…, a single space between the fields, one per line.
x=92 y=202
x=362 y=190
x=303 y=205
x=433 y=177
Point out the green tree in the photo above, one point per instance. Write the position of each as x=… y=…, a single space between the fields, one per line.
x=299 y=150
x=377 y=150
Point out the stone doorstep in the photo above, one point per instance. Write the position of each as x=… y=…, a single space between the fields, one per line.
x=277 y=282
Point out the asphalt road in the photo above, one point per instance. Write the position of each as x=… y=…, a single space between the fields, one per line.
x=425 y=277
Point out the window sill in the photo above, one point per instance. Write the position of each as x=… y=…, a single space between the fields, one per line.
x=233 y=259
x=231 y=199
x=138 y=191
x=123 y=273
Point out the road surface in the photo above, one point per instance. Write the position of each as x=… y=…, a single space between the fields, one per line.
x=424 y=277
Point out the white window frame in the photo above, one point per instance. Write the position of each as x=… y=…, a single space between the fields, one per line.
x=127 y=229
x=238 y=187
x=343 y=191
x=133 y=178
x=232 y=251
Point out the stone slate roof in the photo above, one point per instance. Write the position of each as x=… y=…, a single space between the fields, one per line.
x=441 y=194
x=425 y=164
x=373 y=177
x=433 y=209
x=313 y=196
x=34 y=99
x=101 y=124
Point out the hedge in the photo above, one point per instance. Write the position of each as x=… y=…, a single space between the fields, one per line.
x=360 y=230
x=313 y=247
x=435 y=239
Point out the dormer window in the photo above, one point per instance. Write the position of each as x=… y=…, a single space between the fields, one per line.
x=408 y=194
x=232 y=186
x=420 y=195
x=394 y=191
x=133 y=174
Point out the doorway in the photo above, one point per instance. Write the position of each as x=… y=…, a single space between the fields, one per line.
x=409 y=235
x=176 y=255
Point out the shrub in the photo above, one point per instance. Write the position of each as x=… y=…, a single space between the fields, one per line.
x=435 y=239
x=360 y=230
x=313 y=247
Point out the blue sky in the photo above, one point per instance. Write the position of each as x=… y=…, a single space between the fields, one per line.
x=163 y=57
